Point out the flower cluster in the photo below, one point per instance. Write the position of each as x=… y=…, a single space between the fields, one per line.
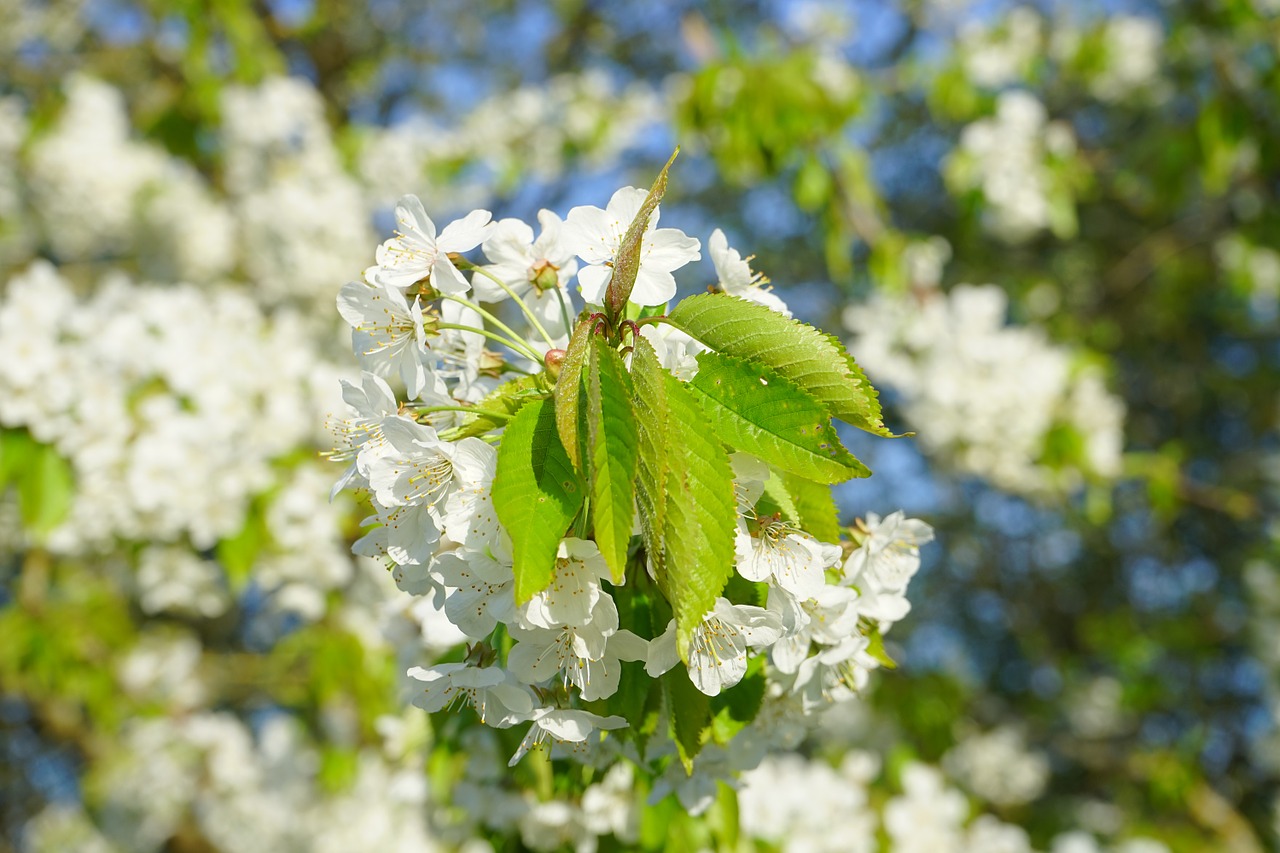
x=1022 y=165
x=998 y=401
x=474 y=341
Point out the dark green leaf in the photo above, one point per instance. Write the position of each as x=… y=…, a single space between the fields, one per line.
x=614 y=444
x=690 y=711
x=735 y=708
x=536 y=494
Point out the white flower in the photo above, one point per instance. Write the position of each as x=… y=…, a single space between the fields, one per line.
x=498 y=699
x=718 y=648
x=736 y=277
x=574 y=589
x=418 y=471
x=369 y=403
x=676 y=351
x=834 y=674
x=587 y=657
x=469 y=516
x=388 y=335
x=596 y=236
x=416 y=253
x=483 y=588
x=406 y=535
x=830 y=616
x=883 y=565
x=538 y=271
x=783 y=554
x=563 y=726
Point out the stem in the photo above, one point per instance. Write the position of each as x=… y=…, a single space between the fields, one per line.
x=505 y=341
x=661 y=318
x=523 y=306
x=488 y=413
x=564 y=311
x=524 y=349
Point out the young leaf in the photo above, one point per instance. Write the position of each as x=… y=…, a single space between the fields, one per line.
x=690 y=711
x=815 y=361
x=626 y=265
x=614 y=445
x=536 y=494
x=568 y=394
x=45 y=489
x=688 y=511
x=508 y=398
x=816 y=507
x=756 y=410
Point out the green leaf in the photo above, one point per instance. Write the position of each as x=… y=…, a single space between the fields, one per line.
x=690 y=711
x=508 y=398
x=536 y=494
x=776 y=498
x=756 y=410
x=815 y=505
x=814 y=360
x=626 y=265
x=614 y=444
x=688 y=513
x=238 y=553
x=735 y=708
x=568 y=393
x=46 y=487
x=638 y=698
x=876 y=650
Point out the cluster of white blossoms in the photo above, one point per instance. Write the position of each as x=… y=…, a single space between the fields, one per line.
x=209 y=775
x=420 y=322
x=1023 y=166
x=524 y=132
x=995 y=56
x=801 y=804
x=1002 y=402
x=998 y=767
x=1121 y=57
x=175 y=408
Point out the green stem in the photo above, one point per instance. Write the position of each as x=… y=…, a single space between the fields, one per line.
x=523 y=306
x=564 y=311
x=524 y=349
x=471 y=410
x=519 y=347
x=661 y=318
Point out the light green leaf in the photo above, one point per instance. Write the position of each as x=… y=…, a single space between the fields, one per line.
x=536 y=494
x=614 y=444
x=568 y=394
x=45 y=481
x=508 y=398
x=626 y=265
x=815 y=505
x=756 y=410
x=688 y=512
x=811 y=359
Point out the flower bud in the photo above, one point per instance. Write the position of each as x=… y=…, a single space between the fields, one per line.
x=553 y=359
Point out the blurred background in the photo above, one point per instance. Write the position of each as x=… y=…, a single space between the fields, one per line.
x=1048 y=232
